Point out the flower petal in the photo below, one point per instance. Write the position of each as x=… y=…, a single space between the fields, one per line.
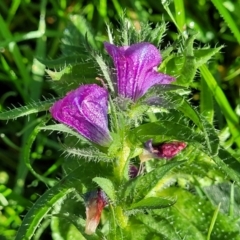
x=136 y=68
x=85 y=109
x=152 y=79
x=120 y=63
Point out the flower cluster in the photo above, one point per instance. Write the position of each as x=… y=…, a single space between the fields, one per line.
x=86 y=110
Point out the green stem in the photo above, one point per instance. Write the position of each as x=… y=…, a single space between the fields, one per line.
x=120 y=165
x=122 y=219
x=120 y=172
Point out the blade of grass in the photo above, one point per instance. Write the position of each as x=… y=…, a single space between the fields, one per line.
x=27 y=157
x=230 y=115
x=4 y=8
x=232 y=75
x=12 y=76
x=227 y=18
x=214 y=218
x=39 y=232
x=231 y=202
x=103 y=9
x=43 y=206
x=38 y=69
x=18 y=58
x=35 y=90
x=21 y=37
x=117 y=7
x=8 y=142
x=165 y=5
x=54 y=167
x=179 y=13
x=13 y=9
x=63 y=4
x=206 y=102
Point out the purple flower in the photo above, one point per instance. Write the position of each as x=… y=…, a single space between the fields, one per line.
x=85 y=109
x=136 y=68
x=95 y=201
x=166 y=150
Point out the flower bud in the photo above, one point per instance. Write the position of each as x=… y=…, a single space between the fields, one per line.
x=95 y=201
x=166 y=150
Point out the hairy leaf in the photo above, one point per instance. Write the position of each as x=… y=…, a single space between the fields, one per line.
x=27 y=110
x=44 y=204
x=107 y=186
x=192 y=216
x=138 y=188
x=152 y=203
x=65 y=129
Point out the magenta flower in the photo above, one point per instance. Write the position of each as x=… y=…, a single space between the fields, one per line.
x=136 y=68
x=95 y=201
x=85 y=109
x=166 y=150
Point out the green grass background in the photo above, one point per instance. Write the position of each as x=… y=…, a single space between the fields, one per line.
x=33 y=29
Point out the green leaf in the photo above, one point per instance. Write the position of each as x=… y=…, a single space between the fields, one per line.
x=89 y=154
x=203 y=55
x=167 y=130
x=81 y=73
x=212 y=139
x=189 y=68
x=161 y=228
x=177 y=129
x=65 y=129
x=166 y=7
x=63 y=61
x=104 y=68
x=137 y=231
x=157 y=33
x=44 y=204
x=74 y=34
x=219 y=95
x=175 y=101
x=227 y=18
x=180 y=13
x=172 y=64
x=228 y=195
x=27 y=155
x=107 y=186
x=16 y=54
x=139 y=187
x=27 y=110
x=178 y=102
x=228 y=164
x=213 y=221
x=230 y=115
x=70 y=77
x=184 y=65
x=67 y=219
x=152 y=203
x=63 y=229
x=206 y=102
x=192 y=216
